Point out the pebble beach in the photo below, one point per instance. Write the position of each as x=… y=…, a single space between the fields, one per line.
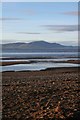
x=41 y=95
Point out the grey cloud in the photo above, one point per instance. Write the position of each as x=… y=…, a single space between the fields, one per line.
x=27 y=33
x=62 y=28
x=29 y=12
x=75 y=13
x=69 y=43
x=6 y=19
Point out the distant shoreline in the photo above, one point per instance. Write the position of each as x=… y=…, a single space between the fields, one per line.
x=17 y=58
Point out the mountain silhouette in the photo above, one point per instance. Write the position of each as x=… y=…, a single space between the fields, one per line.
x=38 y=46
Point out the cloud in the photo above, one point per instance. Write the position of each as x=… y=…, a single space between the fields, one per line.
x=8 y=19
x=29 y=12
x=75 y=13
x=69 y=43
x=62 y=28
x=33 y=33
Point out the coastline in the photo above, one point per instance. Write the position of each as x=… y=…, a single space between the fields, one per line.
x=35 y=61
x=16 y=62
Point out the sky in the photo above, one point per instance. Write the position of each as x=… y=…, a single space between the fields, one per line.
x=39 y=0
x=35 y=21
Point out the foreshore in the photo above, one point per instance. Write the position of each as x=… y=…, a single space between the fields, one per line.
x=16 y=62
x=35 y=61
x=41 y=95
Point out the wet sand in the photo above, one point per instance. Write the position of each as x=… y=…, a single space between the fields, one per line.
x=30 y=61
x=51 y=94
x=15 y=62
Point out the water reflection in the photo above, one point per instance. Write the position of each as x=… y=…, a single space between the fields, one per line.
x=36 y=66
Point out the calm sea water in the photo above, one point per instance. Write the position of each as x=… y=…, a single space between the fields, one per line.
x=41 y=64
x=32 y=55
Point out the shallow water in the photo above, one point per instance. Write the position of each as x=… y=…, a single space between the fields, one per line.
x=42 y=63
x=36 y=66
x=47 y=60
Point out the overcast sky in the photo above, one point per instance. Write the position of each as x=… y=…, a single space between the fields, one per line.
x=52 y=22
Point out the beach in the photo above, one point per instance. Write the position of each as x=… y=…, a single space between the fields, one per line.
x=39 y=61
x=41 y=95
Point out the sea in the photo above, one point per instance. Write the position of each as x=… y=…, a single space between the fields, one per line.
x=44 y=60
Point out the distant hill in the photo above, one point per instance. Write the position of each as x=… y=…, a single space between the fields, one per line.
x=37 y=46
